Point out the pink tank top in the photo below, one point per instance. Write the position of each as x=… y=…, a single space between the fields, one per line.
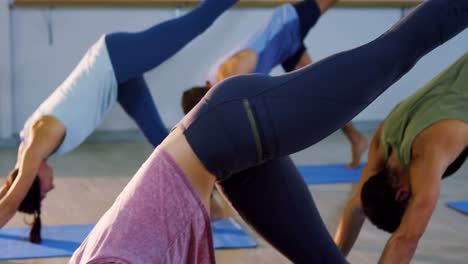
x=158 y=218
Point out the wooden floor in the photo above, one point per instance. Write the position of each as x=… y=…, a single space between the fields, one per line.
x=89 y=179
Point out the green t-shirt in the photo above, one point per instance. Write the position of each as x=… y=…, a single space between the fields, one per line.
x=444 y=97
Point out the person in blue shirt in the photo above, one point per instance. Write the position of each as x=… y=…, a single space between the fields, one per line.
x=280 y=41
x=111 y=71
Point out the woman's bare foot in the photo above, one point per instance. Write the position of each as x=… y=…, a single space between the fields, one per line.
x=357 y=150
x=359 y=144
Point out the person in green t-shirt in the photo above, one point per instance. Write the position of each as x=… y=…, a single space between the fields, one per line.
x=423 y=140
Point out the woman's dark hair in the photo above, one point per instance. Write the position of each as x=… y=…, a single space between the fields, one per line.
x=30 y=205
x=192 y=96
x=378 y=198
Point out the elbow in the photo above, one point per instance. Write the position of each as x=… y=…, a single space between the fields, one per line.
x=354 y=206
x=6 y=213
x=358 y=211
x=409 y=236
x=410 y=242
x=8 y=208
x=426 y=205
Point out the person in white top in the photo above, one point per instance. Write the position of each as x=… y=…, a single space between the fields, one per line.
x=112 y=70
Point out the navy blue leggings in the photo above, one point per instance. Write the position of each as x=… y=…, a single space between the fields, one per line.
x=308 y=13
x=253 y=120
x=133 y=54
x=274 y=199
x=136 y=100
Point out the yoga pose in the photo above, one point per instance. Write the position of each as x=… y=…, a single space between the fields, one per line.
x=245 y=125
x=422 y=141
x=278 y=42
x=112 y=70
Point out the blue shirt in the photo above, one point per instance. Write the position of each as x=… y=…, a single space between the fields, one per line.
x=275 y=42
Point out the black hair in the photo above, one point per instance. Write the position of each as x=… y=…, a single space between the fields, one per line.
x=192 y=96
x=31 y=204
x=378 y=198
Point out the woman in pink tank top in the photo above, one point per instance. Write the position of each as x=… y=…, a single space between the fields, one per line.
x=158 y=218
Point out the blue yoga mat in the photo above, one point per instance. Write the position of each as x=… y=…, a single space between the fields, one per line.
x=62 y=241
x=227 y=233
x=328 y=174
x=461 y=206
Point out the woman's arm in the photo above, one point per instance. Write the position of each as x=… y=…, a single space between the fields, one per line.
x=304 y=61
x=46 y=136
x=350 y=225
x=4 y=188
x=3 y=191
x=353 y=217
x=11 y=200
x=426 y=177
x=433 y=151
x=243 y=62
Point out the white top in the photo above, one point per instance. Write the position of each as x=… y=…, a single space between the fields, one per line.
x=82 y=100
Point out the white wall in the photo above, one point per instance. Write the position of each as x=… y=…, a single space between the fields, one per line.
x=343 y=29
x=39 y=67
x=6 y=106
